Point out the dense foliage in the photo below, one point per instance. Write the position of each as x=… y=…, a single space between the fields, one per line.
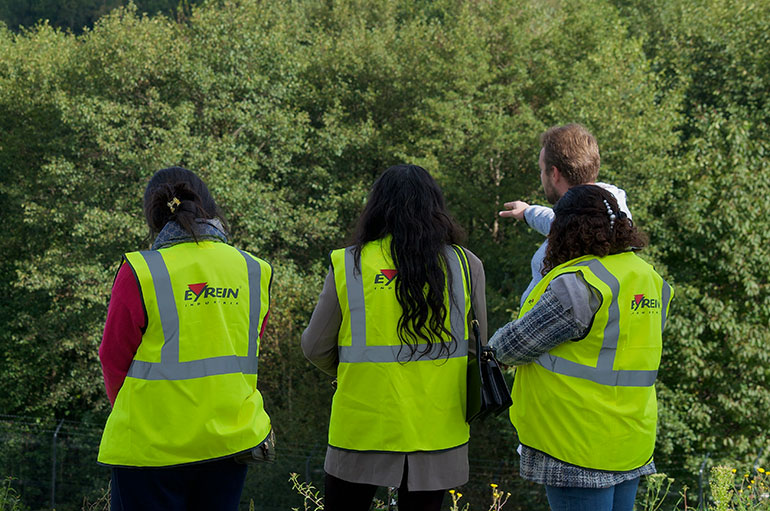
x=78 y=15
x=289 y=111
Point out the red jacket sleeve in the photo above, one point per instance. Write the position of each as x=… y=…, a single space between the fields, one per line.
x=123 y=330
x=264 y=324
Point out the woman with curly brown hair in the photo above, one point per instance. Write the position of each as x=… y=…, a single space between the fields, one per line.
x=587 y=347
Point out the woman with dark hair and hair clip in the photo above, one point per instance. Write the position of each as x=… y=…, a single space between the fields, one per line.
x=179 y=356
x=587 y=347
x=392 y=324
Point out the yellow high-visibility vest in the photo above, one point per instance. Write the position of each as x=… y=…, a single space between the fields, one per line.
x=385 y=400
x=591 y=402
x=191 y=392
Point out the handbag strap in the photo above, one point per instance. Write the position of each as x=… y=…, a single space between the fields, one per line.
x=469 y=281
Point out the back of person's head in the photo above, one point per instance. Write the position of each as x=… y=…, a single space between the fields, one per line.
x=574 y=151
x=179 y=195
x=588 y=221
x=407 y=203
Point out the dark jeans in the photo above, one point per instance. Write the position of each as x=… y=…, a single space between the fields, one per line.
x=615 y=498
x=346 y=496
x=204 y=486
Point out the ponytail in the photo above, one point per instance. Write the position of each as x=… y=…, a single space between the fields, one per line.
x=179 y=195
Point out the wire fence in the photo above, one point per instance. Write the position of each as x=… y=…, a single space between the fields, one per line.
x=53 y=466
x=52 y=463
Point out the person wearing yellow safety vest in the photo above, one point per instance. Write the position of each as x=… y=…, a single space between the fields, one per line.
x=392 y=324
x=179 y=357
x=587 y=346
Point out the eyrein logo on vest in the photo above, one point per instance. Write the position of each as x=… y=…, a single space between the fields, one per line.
x=384 y=279
x=642 y=305
x=202 y=293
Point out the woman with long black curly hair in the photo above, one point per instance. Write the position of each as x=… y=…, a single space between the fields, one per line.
x=392 y=324
x=587 y=347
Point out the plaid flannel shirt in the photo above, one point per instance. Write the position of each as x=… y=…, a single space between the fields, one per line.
x=544 y=327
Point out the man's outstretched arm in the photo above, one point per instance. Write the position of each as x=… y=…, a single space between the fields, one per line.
x=537 y=217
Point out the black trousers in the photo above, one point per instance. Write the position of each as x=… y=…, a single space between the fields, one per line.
x=343 y=495
x=200 y=487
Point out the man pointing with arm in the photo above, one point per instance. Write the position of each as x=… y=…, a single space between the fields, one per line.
x=569 y=157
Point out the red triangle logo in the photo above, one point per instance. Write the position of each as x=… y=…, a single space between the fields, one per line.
x=638 y=298
x=390 y=274
x=197 y=288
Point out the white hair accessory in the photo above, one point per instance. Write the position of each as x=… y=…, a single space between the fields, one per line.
x=610 y=214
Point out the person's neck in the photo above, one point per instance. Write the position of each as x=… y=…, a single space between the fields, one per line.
x=568 y=187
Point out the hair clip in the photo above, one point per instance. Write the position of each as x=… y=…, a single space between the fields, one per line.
x=173 y=204
x=610 y=213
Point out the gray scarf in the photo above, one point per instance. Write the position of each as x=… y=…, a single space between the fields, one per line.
x=172 y=233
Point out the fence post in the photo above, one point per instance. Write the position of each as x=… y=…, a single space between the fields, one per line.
x=700 y=482
x=756 y=461
x=307 y=462
x=392 y=503
x=53 y=466
x=500 y=467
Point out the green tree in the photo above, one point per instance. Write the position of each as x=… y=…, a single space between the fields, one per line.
x=712 y=232
x=79 y=15
x=290 y=110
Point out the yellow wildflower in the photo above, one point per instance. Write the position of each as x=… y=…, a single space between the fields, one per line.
x=493 y=485
x=761 y=470
x=452 y=492
x=735 y=470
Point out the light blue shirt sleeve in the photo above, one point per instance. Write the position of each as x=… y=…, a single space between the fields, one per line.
x=535 y=265
x=539 y=218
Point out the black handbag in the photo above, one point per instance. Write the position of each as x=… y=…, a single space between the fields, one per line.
x=488 y=393
x=264 y=452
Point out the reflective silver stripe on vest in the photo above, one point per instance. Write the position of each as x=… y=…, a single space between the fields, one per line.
x=603 y=373
x=169 y=367
x=229 y=364
x=666 y=297
x=255 y=306
x=358 y=351
x=456 y=298
x=355 y=285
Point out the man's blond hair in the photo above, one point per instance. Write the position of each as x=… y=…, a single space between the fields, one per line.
x=574 y=151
